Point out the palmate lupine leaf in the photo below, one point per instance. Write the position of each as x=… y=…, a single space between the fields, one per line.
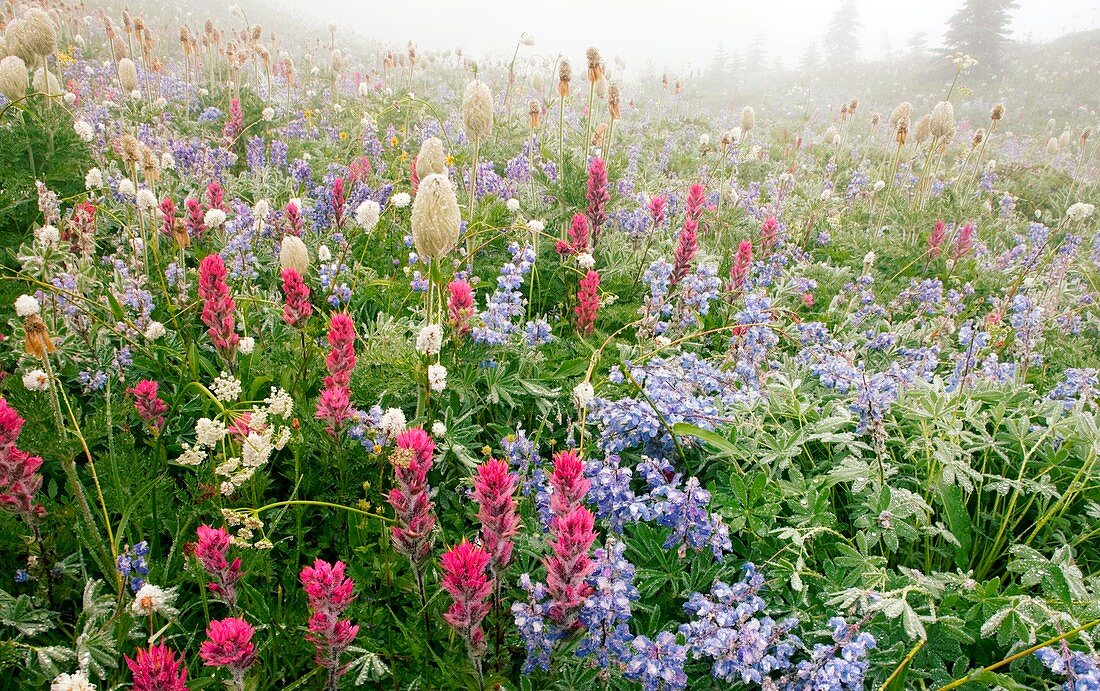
x=21 y=614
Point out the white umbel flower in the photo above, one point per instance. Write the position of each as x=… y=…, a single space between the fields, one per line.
x=213 y=218
x=146 y=199
x=226 y=387
x=1080 y=211
x=401 y=199
x=93 y=179
x=126 y=188
x=246 y=345
x=83 y=130
x=512 y=204
x=438 y=429
x=209 y=432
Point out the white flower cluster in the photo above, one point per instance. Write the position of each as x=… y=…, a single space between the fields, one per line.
x=226 y=387
x=245 y=524
x=437 y=377
x=258 y=435
x=430 y=340
x=1080 y=211
x=392 y=423
x=366 y=214
x=77 y=681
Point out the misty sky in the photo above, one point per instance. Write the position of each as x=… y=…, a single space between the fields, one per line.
x=670 y=33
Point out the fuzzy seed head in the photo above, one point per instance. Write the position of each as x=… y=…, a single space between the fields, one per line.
x=436 y=220
x=477 y=110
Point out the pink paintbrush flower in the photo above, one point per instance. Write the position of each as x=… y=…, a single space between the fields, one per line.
x=218 y=309
x=148 y=404
x=229 y=644
x=296 y=307
x=569 y=565
x=588 y=302
x=935 y=240
x=19 y=478
x=686 y=249
x=658 y=209
x=211 y=550
x=742 y=263
x=494 y=491
x=597 y=195
x=568 y=483
x=157 y=669
x=464 y=578
x=460 y=306
x=328 y=593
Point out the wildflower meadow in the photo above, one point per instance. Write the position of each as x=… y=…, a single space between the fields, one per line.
x=327 y=365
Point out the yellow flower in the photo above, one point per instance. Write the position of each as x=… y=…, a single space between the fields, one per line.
x=485 y=450
x=404 y=156
x=393 y=140
x=343 y=135
x=450 y=160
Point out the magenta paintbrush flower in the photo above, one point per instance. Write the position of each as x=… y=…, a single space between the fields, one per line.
x=597 y=195
x=19 y=478
x=334 y=406
x=339 y=203
x=235 y=124
x=658 y=209
x=167 y=217
x=215 y=196
x=296 y=308
x=568 y=483
x=769 y=232
x=694 y=204
x=686 y=249
x=460 y=306
x=494 y=491
x=211 y=550
x=329 y=593
x=935 y=240
x=410 y=499
x=229 y=644
x=194 y=220
x=588 y=302
x=148 y=404
x=569 y=565
x=742 y=263
x=964 y=241
x=218 y=310
x=157 y=669
x=464 y=578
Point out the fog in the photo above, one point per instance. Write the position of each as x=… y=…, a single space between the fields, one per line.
x=671 y=35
